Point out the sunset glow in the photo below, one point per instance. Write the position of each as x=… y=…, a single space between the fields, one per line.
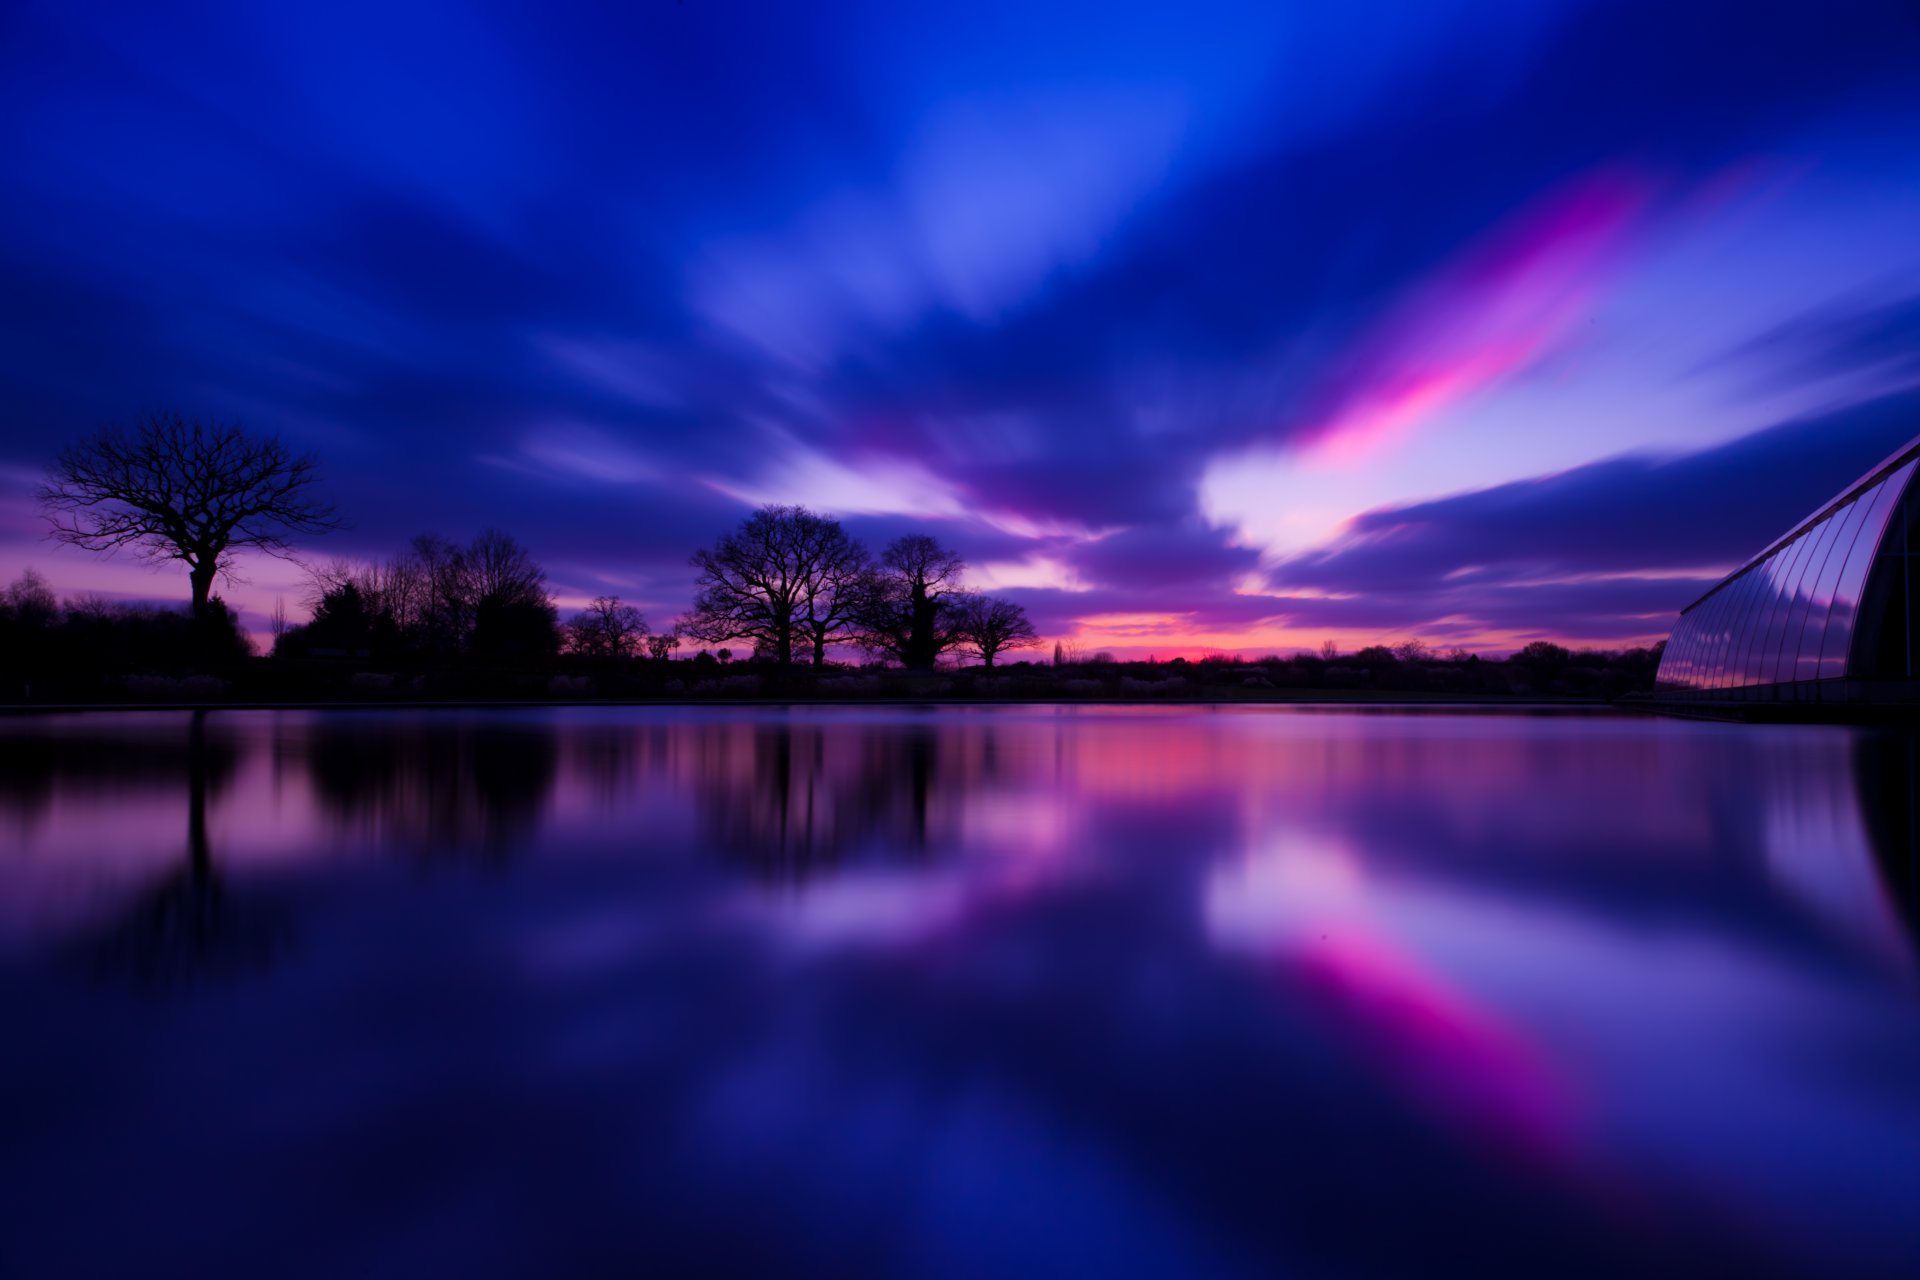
x=1230 y=331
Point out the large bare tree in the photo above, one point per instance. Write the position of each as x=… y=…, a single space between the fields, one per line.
x=607 y=628
x=990 y=625
x=911 y=610
x=186 y=490
x=785 y=576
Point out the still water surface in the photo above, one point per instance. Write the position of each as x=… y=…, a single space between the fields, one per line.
x=955 y=992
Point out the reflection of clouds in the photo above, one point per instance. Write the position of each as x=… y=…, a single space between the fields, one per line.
x=1303 y=906
x=1633 y=1046
x=1296 y=883
x=1104 y=993
x=877 y=908
x=1817 y=850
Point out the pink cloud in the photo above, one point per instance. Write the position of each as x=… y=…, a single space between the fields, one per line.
x=1498 y=309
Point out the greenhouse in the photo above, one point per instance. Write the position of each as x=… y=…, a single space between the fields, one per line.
x=1825 y=614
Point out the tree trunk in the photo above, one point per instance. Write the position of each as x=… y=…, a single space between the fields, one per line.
x=201 y=579
x=199 y=857
x=920 y=655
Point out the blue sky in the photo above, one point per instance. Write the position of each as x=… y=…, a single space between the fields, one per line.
x=1194 y=327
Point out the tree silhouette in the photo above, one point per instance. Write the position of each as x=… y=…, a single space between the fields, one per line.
x=606 y=628
x=488 y=598
x=661 y=646
x=175 y=489
x=345 y=618
x=784 y=575
x=1543 y=653
x=990 y=625
x=28 y=602
x=911 y=606
x=513 y=616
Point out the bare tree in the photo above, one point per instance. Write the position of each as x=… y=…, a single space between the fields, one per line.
x=785 y=575
x=606 y=628
x=910 y=611
x=28 y=601
x=1413 y=649
x=434 y=578
x=488 y=598
x=839 y=585
x=661 y=646
x=990 y=625
x=503 y=571
x=175 y=489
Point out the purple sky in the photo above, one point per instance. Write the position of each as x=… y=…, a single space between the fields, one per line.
x=1193 y=327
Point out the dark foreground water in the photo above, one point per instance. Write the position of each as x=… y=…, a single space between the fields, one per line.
x=962 y=993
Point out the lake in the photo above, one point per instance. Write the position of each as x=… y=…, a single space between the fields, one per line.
x=955 y=992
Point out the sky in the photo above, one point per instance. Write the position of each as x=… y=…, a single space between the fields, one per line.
x=1193 y=327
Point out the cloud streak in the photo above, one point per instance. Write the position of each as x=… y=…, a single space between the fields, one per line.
x=1191 y=315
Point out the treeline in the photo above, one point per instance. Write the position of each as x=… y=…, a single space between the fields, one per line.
x=1538 y=670
x=787 y=586
x=795 y=583
x=477 y=620
x=416 y=628
x=52 y=649
x=438 y=601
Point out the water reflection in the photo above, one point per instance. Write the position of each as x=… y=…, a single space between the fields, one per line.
x=963 y=992
x=183 y=927
x=462 y=789
x=1887 y=770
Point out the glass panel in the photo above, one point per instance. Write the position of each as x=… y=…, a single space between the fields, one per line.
x=1793 y=614
x=1758 y=590
x=1710 y=636
x=1767 y=574
x=1879 y=502
x=1766 y=644
x=1846 y=525
x=1688 y=645
x=1890 y=646
x=1670 y=660
x=1682 y=643
x=1750 y=629
x=1749 y=586
x=1846 y=588
x=1722 y=632
x=1819 y=540
x=1743 y=598
x=1709 y=632
x=1789 y=583
x=1690 y=650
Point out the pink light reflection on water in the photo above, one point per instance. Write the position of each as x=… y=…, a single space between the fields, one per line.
x=1301 y=907
x=1487 y=952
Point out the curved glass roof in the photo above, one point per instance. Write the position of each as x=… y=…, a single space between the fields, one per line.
x=1788 y=616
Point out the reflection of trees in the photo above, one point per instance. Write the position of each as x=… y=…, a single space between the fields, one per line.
x=1887 y=767
x=36 y=765
x=455 y=786
x=791 y=801
x=184 y=927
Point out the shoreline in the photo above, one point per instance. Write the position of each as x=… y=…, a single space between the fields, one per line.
x=1398 y=702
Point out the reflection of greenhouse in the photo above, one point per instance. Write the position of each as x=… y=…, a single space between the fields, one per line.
x=1825 y=614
